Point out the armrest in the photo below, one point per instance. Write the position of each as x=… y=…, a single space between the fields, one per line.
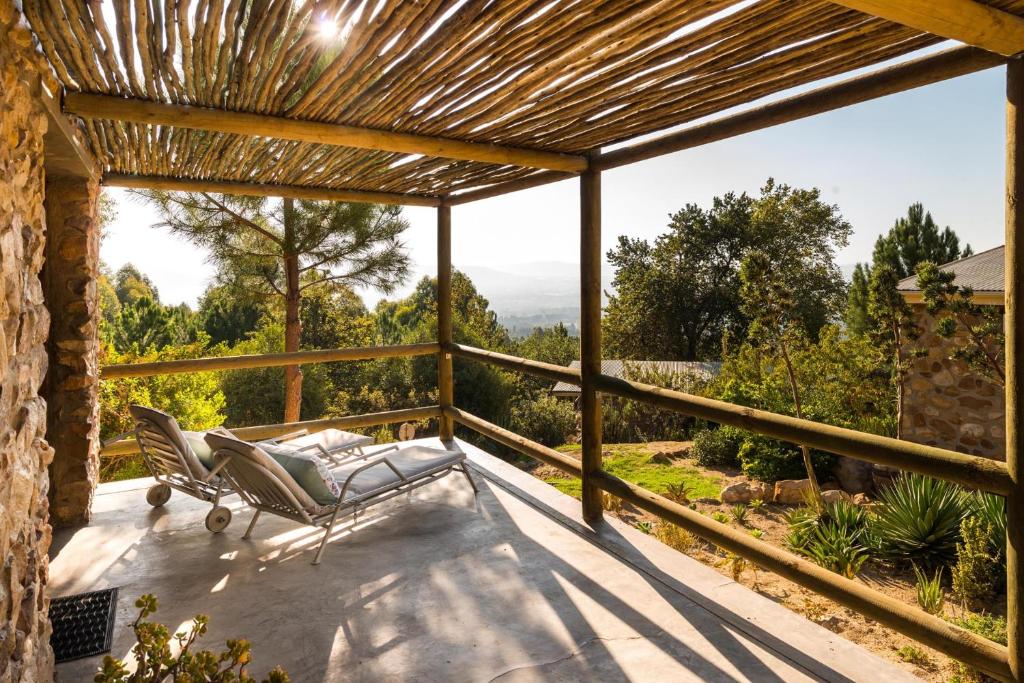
x=289 y=436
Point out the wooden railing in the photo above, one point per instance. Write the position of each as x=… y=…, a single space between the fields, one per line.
x=128 y=446
x=979 y=473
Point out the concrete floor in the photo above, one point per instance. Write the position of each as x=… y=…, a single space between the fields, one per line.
x=508 y=586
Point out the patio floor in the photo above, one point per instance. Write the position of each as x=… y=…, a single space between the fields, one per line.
x=508 y=586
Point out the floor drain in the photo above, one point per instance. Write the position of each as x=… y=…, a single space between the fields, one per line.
x=83 y=625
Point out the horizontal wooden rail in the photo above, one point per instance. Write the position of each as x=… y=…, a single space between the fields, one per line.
x=968 y=647
x=153 y=182
x=266 y=360
x=257 y=433
x=557 y=373
x=109 y=107
x=969 y=470
x=548 y=456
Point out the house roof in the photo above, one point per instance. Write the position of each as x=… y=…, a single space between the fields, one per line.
x=617 y=368
x=552 y=78
x=982 y=272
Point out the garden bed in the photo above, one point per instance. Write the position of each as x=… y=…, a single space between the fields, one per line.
x=663 y=467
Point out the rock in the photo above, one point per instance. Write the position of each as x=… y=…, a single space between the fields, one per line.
x=853 y=475
x=834 y=623
x=792 y=491
x=744 y=492
x=835 y=495
x=861 y=499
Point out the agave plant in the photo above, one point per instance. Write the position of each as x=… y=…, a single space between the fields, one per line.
x=919 y=518
x=992 y=509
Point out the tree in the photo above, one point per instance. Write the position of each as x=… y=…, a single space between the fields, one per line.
x=914 y=239
x=976 y=331
x=229 y=316
x=675 y=298
x=281 y=249
x=911 y=240
x=548 y=345
x=776 y=327
x=893 y=327
x=131 y=285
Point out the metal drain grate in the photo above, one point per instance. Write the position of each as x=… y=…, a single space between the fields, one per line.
x=83 y=625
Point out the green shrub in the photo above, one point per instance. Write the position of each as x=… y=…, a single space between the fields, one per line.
x=547 y=420
x=930 y=596
x=834 y=538
x=992 y=509
x=739 y=514
x=985 y=625
x=156 y=661
x=768 y=460
x=918 y=518
x=717 y=447
x=976 y=573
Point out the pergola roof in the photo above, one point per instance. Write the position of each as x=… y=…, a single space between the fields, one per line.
x=529 y=83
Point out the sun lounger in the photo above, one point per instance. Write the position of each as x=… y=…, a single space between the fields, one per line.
x=307 y=495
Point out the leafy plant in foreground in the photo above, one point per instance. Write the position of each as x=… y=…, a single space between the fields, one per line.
x=976 y=572
x=919 y=518
x=992 y=509
x=156 y=663
x=930 y=596
x=835 y=538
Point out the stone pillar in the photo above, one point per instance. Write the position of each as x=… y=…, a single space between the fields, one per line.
x=72 y=384
x=25 y=653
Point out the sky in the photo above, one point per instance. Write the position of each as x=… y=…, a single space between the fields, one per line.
x=941 y=145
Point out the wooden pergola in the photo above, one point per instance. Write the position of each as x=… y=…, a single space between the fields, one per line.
x=442 y=102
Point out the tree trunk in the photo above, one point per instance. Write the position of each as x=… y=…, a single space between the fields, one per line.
x=292 y=322
x=804 y=450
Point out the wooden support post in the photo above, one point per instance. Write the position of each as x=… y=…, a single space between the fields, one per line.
x=1014 y=356
x=590 y=339
x=445 y=383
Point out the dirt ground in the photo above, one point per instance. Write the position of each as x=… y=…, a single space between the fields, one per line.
x=891 y=580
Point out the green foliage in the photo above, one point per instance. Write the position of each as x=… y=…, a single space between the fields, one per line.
x=675 y=298
x=918 y=519
x=256 y=396
x=228 y=315
x=547 y=420
x=914 y=239
x=769 y=460
x=717 y=447
x=914 y=655
x=985 y=625
x=976 y=331
x=629 y=421
x=756 y=533
x=635 y=464
x=739 y=514
x=645 y=526
x=977 y=571
x=675 y=536
x=130 y=285
x=156 y=661
x=992 y=509
x=836 y=538
x=930 y=596
x=549 y=345
x=195 y=399
x=856 y=314
x=719 y=516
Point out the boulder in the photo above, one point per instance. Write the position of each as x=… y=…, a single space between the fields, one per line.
x=835 y=495
x=853 y=475
x=744 y=492
x=792 y=491
x=861 y=499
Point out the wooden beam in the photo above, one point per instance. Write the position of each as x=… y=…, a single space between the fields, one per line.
x=445 y=382
x=146 y=182
x=968 y=21
x=240 y=123
x=498 y=189
x=266 y=360
x=590 y=341
x=1014 y=328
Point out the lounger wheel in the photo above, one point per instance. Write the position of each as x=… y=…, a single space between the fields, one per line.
x=158 y=495
x=218 y=519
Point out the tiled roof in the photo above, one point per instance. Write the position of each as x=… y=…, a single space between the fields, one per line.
x=616 y=368
x=982 y=272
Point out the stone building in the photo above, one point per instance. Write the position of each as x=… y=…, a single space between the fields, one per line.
x=48 y=345
x=945 y=402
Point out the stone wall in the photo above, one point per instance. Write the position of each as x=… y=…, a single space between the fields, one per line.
x=25 y=653
x=72 y=385
x=948 y=404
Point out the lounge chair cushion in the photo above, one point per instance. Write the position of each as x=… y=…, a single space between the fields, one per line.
x=412 y=461
x=307 y=469
x=201 y=449
x=332 y=440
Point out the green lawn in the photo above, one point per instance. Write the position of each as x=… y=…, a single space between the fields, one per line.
x=632 y=463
